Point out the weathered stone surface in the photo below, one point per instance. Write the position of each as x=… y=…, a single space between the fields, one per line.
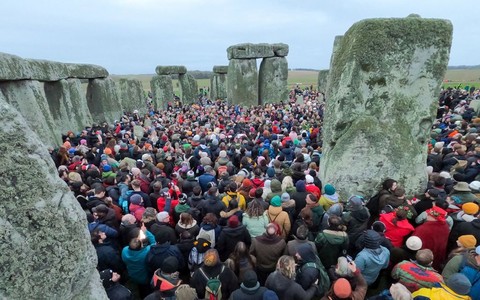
x=322 y=80
x=170 y=70
x=218 y=86
x=280 y=49
x=272 y=82
x=13 y=67
x=44 y=241
x=220 y=69
x=336 y=44
x=103 y=100
x=28 y=97
x=242 y=83
x=249 y=50
x=68 y=105
x=162 y=90
x=385 y=80
x=132 y=95
x=189 y=88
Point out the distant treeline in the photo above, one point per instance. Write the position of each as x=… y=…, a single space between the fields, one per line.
x=463 y=67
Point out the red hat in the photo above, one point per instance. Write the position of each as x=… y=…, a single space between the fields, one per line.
x=342 y=288
x=438 y=213
x=233 y=221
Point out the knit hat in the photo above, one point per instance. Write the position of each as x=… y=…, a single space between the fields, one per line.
x=251 y=193
x=107 y=168
x=459 y=283
x=250 y=280
x=136 y=199
x=470 y=208
x=222 y=154
x=355 y=203
x=170 y=265
x=190 y=174
x=378 y=226
x=372 y=239
x=211 y=258
x=342 y=288
x=308 y=179
x=276 y=201
x=329 y=189
x=414 y=243
x=161 y=216
x=106 y=278
x=233 y=221
x=285 y=197
x=467 y=241
x=271 y=172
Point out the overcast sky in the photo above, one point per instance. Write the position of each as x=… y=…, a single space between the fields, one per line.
x=134 y=36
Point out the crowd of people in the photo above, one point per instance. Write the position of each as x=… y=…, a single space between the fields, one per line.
x=220 y=201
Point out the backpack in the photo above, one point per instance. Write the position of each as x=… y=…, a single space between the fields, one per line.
x=323 y=279
x=213 y=288
x=373 y=204
x=123 y=201
x=221 y=170
x=277 y=226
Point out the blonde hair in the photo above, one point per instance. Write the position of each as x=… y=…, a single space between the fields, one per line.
x=287 y=182
x=286 y=266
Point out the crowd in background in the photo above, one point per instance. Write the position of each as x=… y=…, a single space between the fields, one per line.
x=218 y=201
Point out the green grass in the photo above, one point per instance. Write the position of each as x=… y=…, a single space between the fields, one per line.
x=463 y=77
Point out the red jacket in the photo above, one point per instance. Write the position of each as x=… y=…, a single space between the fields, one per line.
x=396 y=233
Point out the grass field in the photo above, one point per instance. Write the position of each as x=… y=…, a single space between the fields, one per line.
x=453 y=78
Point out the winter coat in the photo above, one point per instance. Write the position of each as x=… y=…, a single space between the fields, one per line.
x=228 y=239
x=328 y=200
x=371 y=262
x=414 y=276
x=164 y=228
x=212 y=231
x=288 y=289
x=276 y=187
x=267 y=249
x=108 y=258
x=118 y=292
x=277 y=215
x=438 y=293
x=204 y=179
x=136 y=263
x=464 y=228
x=308 y=275
x=158 y=253
x=467 y=265
x=463 y=197
x=317 y=217
x=192 y=228
x=358 y=293
x=396 y=232
x=299 y=196
x=255 y=225
x=212 y=204
x=356 y=222
x=188 y=185
x=242 y=204
x=434 y=236
x=331 y=245
x=137 y=211
x=227 y=278
x=244 y=293
x=292 y=246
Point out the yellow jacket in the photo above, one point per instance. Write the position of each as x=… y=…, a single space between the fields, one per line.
x=438 y=293
x=240 y=199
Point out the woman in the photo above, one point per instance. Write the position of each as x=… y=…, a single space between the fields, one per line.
x=282 y=281
x=240 y=260
x=332 y=242
x=255 y=219
x=276 y=215
x=187 y=223
x=210 y=227
x=287 y=185
x=378 y=202
x=397 y=226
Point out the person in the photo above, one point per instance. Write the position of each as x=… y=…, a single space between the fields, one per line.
x=161 y=251
x=267 y=248
x=342 y=289
x=405 y=252
x=332 y=242
x=233 y=194
x=282 y=281
x=356 y=219
x=187 y=223
x=210 y=227
x=376 y=204
x=464 y=243
x=298 y=239
x=108 y=257
x=255 y=219
x=165 y=280
x=419 y=273
x=233 y=233
x=213 y=268
x=113 y=288
x=397 y=226
x=250 y=288
x=276 y=215
x=311 y=270
x=373 y=258
x=329 y=197
x=434 y=235
x=240 y=260
x=163 y=225
x=458 y=286
x=469 y=265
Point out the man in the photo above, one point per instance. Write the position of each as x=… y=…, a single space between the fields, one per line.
x=162 y=250
x=162 y=226
x=417 y=274
x=115 y=291
x=457 y=287
x=108 y=256
x=233 y=194
x=311 y=269
x=469 y=265
x=205 y=178
x=373 y=258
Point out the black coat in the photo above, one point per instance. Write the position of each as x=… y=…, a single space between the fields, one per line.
x=463 y=228
x=228 y=239
x=288 y=289
x=109 y=258
x=158 y=253
x=227 y=278
x=244 y=293
x=118 y=292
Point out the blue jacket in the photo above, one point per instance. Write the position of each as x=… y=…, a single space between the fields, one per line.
x=204 y=179
x=136 y=263
x=371 y=262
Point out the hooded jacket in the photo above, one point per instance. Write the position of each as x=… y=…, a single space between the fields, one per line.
x=434 y=236
x=267 y=249
x=371 y=262
x=255 y=225
x=307 y=275
x=356 y=222
x=331 y=244
x=158 y=253
x=396 y=232
x=276 y=187
x=288 y=289
x=228 y=239
x=281 y=218
x=136 y=263
x=299 y=196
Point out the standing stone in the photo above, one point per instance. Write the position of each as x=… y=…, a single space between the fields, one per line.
x=162 y=90
x=336 y=44
x=273 y=75
x=103 y=100
x=189 y=88
x=78 y=99
x=248 y=51
x=242 y=84
x=218 y=86
x=28 y=97
x=132 y=95
x=45 y=246
x=322 y=80
x=170 y=70
x=220 y=69
x=385 y=80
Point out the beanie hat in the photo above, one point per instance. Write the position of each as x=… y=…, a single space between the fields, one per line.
x=107 y=151
x=459 y=283
x=355 y=203
x=308 y=179
x=372 y=239
x=190 y=174
x=251 y=193
x=162 y=215
x=378 y=226
x=329 y=189
x=276 y=201
x=136 y=199
x=107 y=168
x=222 y=154
x=211 y=258
x=250 y=280
x=271 y=172
x=342 y=288
x=233 y=221
x=414 y=243
x=468 y=241
x=285 y=197
x=170 y=265
x=106 y=278
x=470 y=208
